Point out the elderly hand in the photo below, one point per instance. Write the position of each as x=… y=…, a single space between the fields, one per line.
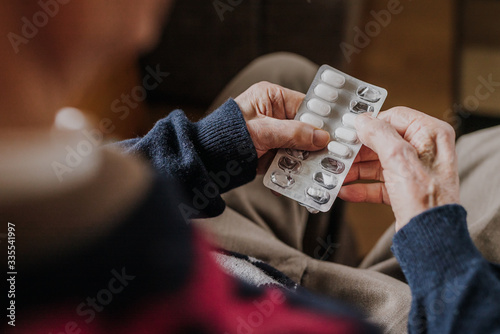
x=269 y=111
x=412 y=155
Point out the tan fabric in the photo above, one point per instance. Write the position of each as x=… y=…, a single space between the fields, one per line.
x=256 y=223
x=251 y=226
x=272 y=229
x=277 y=230
x=479 y=167
x=286 y=69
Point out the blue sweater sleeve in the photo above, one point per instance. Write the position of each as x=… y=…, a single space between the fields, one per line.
x=454 y=288
x=208 y=158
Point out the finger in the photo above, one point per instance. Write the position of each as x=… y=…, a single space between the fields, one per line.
x=401 y=118
x=368 y=170
x=432 y=138
x=293 y=100
x=383 y=138
x=273 y=133
x=276 y=194
x=409 y=121
x=275 y=101
x=365 y=193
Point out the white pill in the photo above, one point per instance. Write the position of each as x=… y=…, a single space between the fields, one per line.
x=319 y=107
x=333 y=79
x=339 y=149
x=326 y=92
x=346 y=135
x=313 y=120
x=349 y=119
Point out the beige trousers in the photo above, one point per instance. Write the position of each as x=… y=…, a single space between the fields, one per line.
x=314 y=250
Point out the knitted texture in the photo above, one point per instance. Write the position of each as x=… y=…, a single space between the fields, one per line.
x=208 y=158
x=454 y=289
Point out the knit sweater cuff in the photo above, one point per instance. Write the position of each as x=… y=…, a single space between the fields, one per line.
x=226 y=148
x=435 y=247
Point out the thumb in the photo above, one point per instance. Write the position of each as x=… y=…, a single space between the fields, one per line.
x=270 y=133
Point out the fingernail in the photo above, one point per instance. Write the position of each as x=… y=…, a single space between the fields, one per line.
x=321 y=138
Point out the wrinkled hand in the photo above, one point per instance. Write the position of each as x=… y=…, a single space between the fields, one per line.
x=269 y=111
x=412 y=155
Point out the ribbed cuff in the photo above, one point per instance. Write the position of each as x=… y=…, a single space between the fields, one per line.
x=226 y=148
x=435 y=247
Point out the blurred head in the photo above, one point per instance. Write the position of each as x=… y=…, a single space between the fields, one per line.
x=53 y=49
x=105 y=29
x=71 y=40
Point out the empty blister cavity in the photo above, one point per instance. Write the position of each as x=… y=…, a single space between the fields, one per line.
x=332 y=78
x=312 y=120
x=359 y=107
x=346 y=135
x=332 y=165
x=289 y=165
x=369 y=94
x=349 y=119
x=319 y=107
x=318 y=195
x=299 y=154
x=281 y=179
x=327 y=93
x=339 y=149
x=325 y=180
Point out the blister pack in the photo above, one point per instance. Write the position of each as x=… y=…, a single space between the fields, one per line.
x=332 y=103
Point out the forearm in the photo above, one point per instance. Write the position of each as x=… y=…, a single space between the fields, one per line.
x=454 y=288
x=208 y=158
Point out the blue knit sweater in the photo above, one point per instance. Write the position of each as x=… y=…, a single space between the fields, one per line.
x=208 y=157
x=455 y=289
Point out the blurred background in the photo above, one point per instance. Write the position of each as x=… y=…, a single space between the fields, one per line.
x=439 y=57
